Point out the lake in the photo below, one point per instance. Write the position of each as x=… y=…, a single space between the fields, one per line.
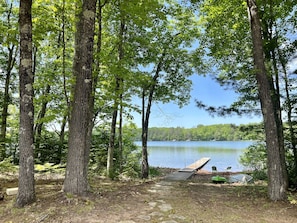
x=179 y=154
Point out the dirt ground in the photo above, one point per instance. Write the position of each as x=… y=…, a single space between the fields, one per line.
x=154 y=200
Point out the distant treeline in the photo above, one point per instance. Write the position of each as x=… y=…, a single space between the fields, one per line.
x=218 y=132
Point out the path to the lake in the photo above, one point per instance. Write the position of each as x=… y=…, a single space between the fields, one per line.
x=160 y=207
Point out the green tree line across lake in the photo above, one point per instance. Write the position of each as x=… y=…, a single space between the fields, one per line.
x=218 y=132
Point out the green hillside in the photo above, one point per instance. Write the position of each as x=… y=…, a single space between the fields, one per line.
x=218 y=132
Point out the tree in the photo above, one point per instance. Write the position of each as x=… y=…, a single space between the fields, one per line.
x=9 y=50
x=76 y=181
x=127 y=24
x=277 y=182
x=119 y=95
x=172 y=65
x=53 y=43
x=224 y=53
x=224 y=43
x=26 y=192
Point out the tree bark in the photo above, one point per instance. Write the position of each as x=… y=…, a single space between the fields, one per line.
x=41 y=115
x=26 y=191
x=144 y=136
x=119 y=95
x=146 y=116
x=121 y=136
x=290 y=111
x=78 y=155
x=62 y=139
x=6 y=101
x=276 y=177
x=111 y=145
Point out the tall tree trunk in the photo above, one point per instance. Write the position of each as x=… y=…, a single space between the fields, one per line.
x=65 y=92
x=144 y=137
x=6 y=101
x=62 y=138
x=276 y=178
x=111 y=146
x=277 y=108
x=290 y=108
x=121 y=136
x=146 y=110
x=76 y=181
x=4 y=115
x=118 y=92
x=270 y=34
x=26 y=192
x=292 y=133
x=11 y=59
x=41 y=115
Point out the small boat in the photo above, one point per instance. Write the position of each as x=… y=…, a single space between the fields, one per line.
x=240 y=178
x=218 y=179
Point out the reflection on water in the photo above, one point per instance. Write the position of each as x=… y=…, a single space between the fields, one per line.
x=180 y=154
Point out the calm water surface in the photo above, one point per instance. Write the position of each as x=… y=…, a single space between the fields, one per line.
x=180 y=154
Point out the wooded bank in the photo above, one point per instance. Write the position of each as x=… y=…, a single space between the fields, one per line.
x=218 y=132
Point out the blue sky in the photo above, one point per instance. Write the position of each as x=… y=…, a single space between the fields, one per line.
x=209 y=92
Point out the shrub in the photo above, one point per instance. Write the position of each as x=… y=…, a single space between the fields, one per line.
x=255 y=157
x=7 y=166
x=255 y=160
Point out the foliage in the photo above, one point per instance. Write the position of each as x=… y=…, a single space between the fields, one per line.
x=225 y=51
x=219 y=132
x=49 y=168
x=131 y=167
x=291 y=168
x=256 y=68
x=98 y=152
x=50 y=149
x=7 y=166
x=126 y=162
x=254 y=157
x=156 y=34
x=155 y=171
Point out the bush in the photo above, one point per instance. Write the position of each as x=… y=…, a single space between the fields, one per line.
x=131 y=165
x=49 y=149
x=255 y=157
x=155 y=172
x=126 y=161
x=259 y=175
x=7 y=166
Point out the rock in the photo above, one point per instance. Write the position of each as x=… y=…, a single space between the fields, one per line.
x=12 y=191
x=165 y=207
x=145 y=217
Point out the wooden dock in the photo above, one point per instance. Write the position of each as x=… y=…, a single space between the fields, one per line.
x=199 y=164
x=187 y=172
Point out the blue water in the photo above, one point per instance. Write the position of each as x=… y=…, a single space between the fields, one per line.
x=179 y=154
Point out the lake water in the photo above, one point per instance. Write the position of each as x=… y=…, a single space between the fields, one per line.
x=179 y=154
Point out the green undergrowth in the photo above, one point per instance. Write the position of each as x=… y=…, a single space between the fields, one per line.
x=6 y=166
x=49 y=167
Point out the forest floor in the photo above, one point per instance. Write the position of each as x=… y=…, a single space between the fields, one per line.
x=155 y=200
